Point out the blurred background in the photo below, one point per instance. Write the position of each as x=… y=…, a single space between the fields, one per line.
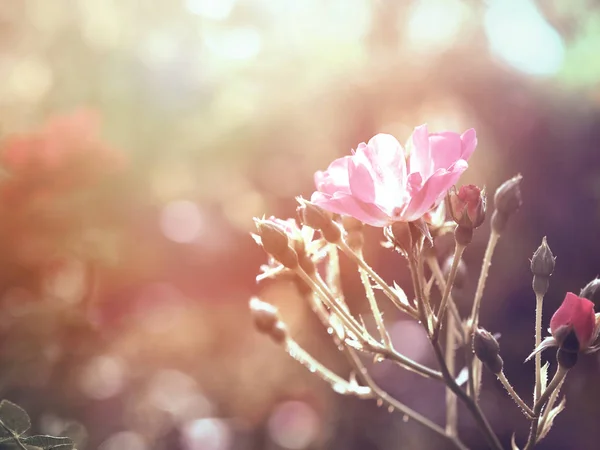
x=138 y=140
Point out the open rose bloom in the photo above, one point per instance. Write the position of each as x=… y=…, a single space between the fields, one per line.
x=382 y=182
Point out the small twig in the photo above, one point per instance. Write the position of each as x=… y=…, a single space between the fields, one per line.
x=407 y=363
x=371 y=345
x=550 y=405
x=389 y=292
x=346 y=318
x=395 y=404
x=425 y=320
x=366 y=281
x=472 y=406
x=518 y=400
x=458 y=251
x=434 y=265
x=485 y=267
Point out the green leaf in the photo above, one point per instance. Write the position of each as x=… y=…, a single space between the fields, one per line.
x=49 y=442
x=14 y=418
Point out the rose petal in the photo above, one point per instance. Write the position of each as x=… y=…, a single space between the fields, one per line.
x=348 y=205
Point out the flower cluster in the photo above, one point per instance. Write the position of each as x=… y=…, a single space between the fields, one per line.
x=402 y=190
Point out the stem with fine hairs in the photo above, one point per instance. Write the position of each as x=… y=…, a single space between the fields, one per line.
x=458 y=251
x=485 y=267
x=539 y=300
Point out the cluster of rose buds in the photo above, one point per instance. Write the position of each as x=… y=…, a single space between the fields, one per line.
x=407 y=192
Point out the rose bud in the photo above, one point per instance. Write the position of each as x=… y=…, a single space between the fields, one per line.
x=591 y=291
x=507 y=200
x=543 y=261
x=276 y=242
x=264 y=314
x=542 y=266
x=487 y=349
x=467 y=206
x=316 y=217
x=573 y=323
x=266 y=320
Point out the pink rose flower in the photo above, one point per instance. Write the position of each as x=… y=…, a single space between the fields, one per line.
x=383 y=183
x=576 y=315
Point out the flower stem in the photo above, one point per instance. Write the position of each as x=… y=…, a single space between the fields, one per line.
x=458 y=251
x=550 y=405
x=366 y=281
x=469 y=402
x=346 y=318
x=395 y=404
x=387 y=352
x=485 y=267
x=557 y=380
x=434 y=265
x=450 y=350
x=539 y=300
x=518 y=400
x=389 y=292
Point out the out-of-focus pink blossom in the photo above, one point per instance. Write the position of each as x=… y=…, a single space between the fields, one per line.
x=383 y=183
x=576 y=315
x=65 y=154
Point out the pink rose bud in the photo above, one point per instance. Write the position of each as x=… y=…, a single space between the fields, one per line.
x=467 y=206
x=572 y=325
x=318 y=218
x=276 y=242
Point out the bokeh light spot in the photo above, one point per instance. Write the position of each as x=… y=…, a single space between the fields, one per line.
x=181 y=221
x=235 y=44
x=175 y=392
x=206 y=434
x=210 y=9
x=293 y=425
x=520 y=35
x=433 y=24
x=124 y=440
x=103 y=377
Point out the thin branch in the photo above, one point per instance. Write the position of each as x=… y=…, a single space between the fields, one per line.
x=518 y=400
x=557 y=380
x=366 y=281
x=346 y=318
x=458 y=251
x=391 y=402
x=472 y=406
x=485 y=267
x=450 y=351
x=539 y=300
x=389 y=292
